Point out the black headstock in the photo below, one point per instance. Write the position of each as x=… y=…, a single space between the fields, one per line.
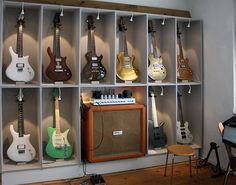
x=20 y=18
x=57 y=20
x=178 y=32
x=150 y=27
x=90 y=22
x=122 y=26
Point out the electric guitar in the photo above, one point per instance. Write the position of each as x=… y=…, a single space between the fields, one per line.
x=156 y=70
x=184 y=72
x=125 y=69
x=93 y=70
x=183 y=134
x=19 y=70
x=21 y=149
x=58 y=146
x=57 y=70
x=160 y=139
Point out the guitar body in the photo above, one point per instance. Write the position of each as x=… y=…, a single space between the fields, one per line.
x=159 y=137
x=94 y=70
x=58 y=146
x=156 y=70
x=125 y=70
x=183 y=134
x=19 y=70
x=53 y=72
x=21 y=149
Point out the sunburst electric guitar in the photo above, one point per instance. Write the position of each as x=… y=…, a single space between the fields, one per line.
x=125 y=69
x=183 y=134
x=156 y=70
x=21 y=150
x=19 y=70
x=57 y=70
x=184 y=72
x=93 y=70
x=58 y=146
x=159 y=136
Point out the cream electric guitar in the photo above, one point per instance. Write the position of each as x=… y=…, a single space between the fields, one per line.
x=183 y=134
x=156 y=70
x=21 y=149
x=19 y=70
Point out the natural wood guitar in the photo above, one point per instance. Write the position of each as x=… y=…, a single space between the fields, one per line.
x=184 y=72
x=125 y=69
x=57 y=69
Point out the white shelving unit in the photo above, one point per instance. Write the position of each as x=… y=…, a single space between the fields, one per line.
x=38 y=105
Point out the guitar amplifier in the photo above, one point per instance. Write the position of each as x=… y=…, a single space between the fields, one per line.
x=114 y=132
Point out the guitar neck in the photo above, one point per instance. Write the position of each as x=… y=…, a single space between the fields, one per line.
x=180 y=110
x=91 y=38
x=154 y=112
x=56 y=42
x=126 y=54
x=181 y=54
x=57 y=116
x=20 y=119
x=154 y=45
x=19 y=43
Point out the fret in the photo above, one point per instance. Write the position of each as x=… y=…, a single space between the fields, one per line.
x=126 y=54
x=57 y=115
x=56 y=43
x=92 y=42
x=180 y=111
x=180 y=49
x=154 y=45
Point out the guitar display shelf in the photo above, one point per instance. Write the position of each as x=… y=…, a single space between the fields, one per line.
x=38 y=104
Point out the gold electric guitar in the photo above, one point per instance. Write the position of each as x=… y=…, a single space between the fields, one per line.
x=125 y=69
x=156 y=70
x=184 y=72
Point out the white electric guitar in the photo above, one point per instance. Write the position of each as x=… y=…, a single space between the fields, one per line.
x=21 y=150
x=19 y=70
x=183 y=134
x=156 y=70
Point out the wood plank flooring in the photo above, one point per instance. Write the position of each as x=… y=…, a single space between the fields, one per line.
x=154 y=176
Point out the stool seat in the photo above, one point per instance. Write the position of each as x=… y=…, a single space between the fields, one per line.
x=180 y=150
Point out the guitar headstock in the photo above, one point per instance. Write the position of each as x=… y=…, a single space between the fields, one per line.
x=20 y=95
x=57 y=20
x=150 y=27
x=90 y=22
x=56 y=93
x=20 y=19
x=122 y=26
x=178 y=32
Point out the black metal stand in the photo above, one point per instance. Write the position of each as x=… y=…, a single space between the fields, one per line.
x=217 y=169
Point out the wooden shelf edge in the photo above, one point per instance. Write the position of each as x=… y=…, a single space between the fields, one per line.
x=115 y=6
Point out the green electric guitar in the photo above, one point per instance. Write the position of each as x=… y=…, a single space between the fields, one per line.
x=58 y=146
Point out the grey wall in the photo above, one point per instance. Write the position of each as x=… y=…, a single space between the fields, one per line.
x=218 y=41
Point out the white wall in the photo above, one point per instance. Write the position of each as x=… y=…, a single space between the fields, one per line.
x=173 y=4
x=218 y=41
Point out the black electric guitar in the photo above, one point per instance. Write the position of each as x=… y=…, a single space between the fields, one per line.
x=57 y=69
x=160 y=139
x=125 y=69
x=183 y=134
x=184 y=72
x=93 y=70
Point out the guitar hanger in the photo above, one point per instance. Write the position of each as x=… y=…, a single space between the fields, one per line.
x=163 y=21
x=98 y=15
x=22 y=8
x=132 y=17
x=162 y=91
x=188 y=25
x=62 y=11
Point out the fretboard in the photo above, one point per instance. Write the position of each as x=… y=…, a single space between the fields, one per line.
x=57 y=116
x=180 y=49
x=19 y=42
x=126 y=54
x=56 y=42
x=20 y=119
x=91 y=39
x=154 y=45
x=154 y=113
x=180 y=110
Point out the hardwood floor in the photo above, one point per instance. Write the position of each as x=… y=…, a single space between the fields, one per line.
x=154 y=176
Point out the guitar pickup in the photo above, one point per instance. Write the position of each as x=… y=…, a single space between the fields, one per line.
x=21 y=151
x=58 y=70
x=58 y=59
x=58 y=67
x=94 y=58
x=20 y=66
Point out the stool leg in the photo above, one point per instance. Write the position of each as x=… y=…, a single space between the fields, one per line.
x=166 y=162
x=172 y=169
x=190 y=166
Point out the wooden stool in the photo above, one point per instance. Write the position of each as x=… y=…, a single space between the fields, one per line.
x=179 y=150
